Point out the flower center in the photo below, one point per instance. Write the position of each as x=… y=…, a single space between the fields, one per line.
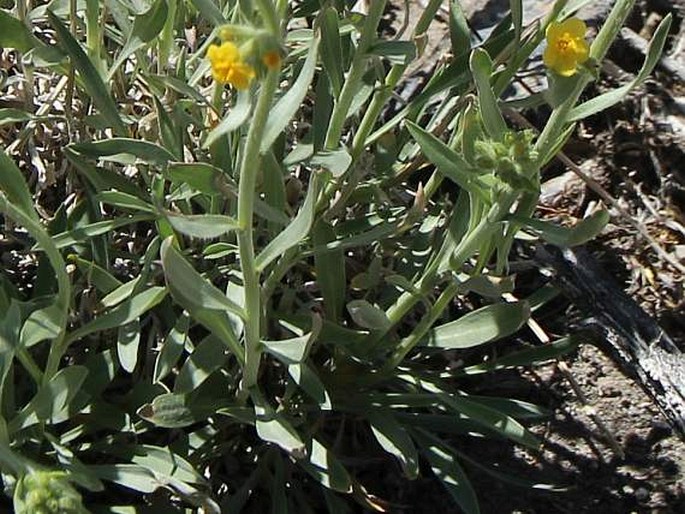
x=565 y=43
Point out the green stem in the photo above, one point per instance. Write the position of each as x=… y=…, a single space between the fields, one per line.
x=354 y=77
x=465 y=249
x=268 y=12
x=381 y=96
x=59 y=344
x=409 y=342
x=249 y=168
x=607 y=34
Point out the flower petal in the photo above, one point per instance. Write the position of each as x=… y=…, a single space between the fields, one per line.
x=575 y=27
x=554 y=31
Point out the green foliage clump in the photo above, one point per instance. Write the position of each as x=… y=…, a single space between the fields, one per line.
x=248 y=292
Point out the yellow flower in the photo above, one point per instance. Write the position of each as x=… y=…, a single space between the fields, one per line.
x=227 y=66
x=566 y=46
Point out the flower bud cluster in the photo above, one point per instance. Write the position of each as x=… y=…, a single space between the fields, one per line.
x=47 y=492
x=510 y=159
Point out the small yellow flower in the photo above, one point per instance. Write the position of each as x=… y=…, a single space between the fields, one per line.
x=566 y=46
x=228 y=67
x=272 y=59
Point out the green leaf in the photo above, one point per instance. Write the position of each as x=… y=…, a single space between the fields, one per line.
x=124 y=313
x=121 y=293
x=397 y=52
x=205 y=303
x=601 y=102
x=460 y=32
x=233 y=120
x=296 y=349
x=490 y=418
x=131 y=476
x=15 y=34
x=209 y=356
x=481 y=326
x=395 y=440
x=102 y=179
x=331 y=49
x=13 y=184
x=272 y=427
x=290 y=102
x=448 y=162
x=91 y=78
x=171 y=349
x=295 y=232
x=444 y=464
x=202 y=226
x=330 y=271
x=146 y=27
x=210 y=11
x=367 y=315
x=52 y=399
x=326 y=468
x=516 y=8
x=517 y=409
x=169 y=410
x=9 y=116
x=305 y=376
x=10 y=324
x=528 y=356
x=163 y=463
x=184 y=282
x=124 y=201
x=487 y=285
x=335 y=161
x=199 y=175
x=41 y=324
x=584 y=231
x=81 y=234
x=128 y=341
x=125 y=150
x=481 y=67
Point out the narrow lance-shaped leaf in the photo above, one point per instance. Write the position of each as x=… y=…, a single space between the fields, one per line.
x=481 y=326
x=601 y=102
x=146 y=27
x=326 y=468
x=460 y=33
x=124 y=313
x=13 y=184
x=481 y=67
x=272 y=427
x=288 y=105
x=205 y=303
x=296 y=231
x=448 y=162
x=185 y=282
x=91 y=78
x=331 y=50
x=52 y=398
x=202 y=226
x=395 y=440
x=233 y=120
x=448 y=471
x=145 y=151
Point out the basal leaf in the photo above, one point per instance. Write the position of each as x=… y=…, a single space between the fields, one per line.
x=481 y=326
